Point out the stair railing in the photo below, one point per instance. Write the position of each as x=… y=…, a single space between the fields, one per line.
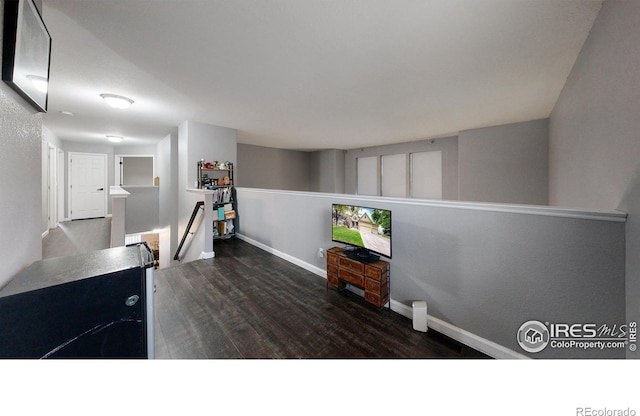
x=187 y=231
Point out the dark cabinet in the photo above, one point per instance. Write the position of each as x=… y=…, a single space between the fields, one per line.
x=94 y=305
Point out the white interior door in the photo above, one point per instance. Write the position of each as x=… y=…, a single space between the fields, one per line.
x=88 y=185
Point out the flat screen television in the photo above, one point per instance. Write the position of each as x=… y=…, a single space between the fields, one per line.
x=366 y=231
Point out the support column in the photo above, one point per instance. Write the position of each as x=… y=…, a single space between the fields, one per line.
x=118 y=211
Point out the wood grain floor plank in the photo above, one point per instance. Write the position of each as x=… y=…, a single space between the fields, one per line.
x=247 y=303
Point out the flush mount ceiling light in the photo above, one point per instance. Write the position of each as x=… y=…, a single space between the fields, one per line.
x=114 y=139
x=117 y=101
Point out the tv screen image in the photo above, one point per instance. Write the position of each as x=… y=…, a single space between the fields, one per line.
x=366 y=229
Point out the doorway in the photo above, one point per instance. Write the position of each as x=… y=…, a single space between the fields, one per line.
x=134 y=170
x=87 y=185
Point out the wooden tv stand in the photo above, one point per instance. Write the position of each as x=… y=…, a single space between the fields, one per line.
x=372 y=277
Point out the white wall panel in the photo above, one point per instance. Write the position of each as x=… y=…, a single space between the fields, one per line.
x=394 y=175
x=367 y=171
x=426 y=175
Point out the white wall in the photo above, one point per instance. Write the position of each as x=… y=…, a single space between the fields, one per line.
x=485 y=269
x=21 y=183
x=594 y=145
x=167 y=162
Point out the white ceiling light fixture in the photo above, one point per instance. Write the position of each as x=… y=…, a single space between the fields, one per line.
x=117 y=101
x=115 y=139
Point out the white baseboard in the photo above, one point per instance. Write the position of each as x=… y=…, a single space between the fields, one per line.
x=307 y=266
x=465 y=337
x=207 y=255
x=44 y=234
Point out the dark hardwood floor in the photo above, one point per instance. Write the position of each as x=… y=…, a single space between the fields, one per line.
x=247 y=303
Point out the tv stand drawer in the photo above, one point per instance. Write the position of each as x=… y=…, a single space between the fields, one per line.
x=372 y=277
x=352 y=265
x=377 y=271
x=350 y=277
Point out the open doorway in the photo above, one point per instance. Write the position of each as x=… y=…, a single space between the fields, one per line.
x=134 y=170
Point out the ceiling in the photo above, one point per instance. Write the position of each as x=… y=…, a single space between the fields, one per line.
x=312 y=74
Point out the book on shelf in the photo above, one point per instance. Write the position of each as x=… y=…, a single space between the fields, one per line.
x=222 y=195
x=222 y=228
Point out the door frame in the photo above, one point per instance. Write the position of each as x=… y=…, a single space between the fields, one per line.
x=60 y=179
x=117 y=172
x=70 y=180
x=52 y=187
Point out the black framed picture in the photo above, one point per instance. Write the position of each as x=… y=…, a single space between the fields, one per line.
x=26 y=52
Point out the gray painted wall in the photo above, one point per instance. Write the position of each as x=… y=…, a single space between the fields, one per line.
x=594 y=143
x=270 y=168
x=199 y=141
x=448 y=146
x=506 y=164
x=142 y=209
x=21 y=187
x=481 y=270
x=133 y=151
x=326 y=171
x=138 y=170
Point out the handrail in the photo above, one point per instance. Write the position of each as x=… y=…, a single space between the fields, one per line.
x=198 y=206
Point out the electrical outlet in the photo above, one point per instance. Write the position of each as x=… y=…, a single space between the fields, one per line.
x=321 y=252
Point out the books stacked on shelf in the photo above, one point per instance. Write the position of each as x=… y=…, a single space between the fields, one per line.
x=221 y=195
x=223 y=228
x=223 y=225
x=225 y=215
